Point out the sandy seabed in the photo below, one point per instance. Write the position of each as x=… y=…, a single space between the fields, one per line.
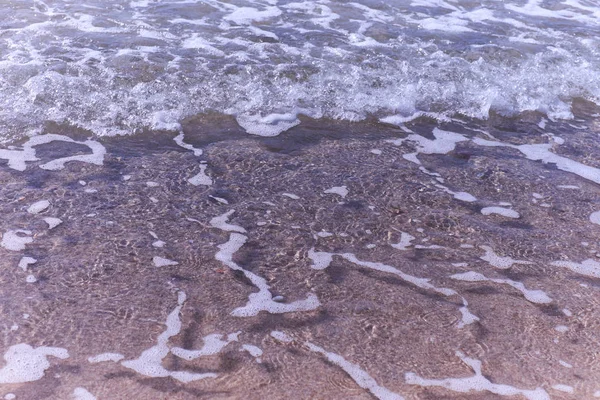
x=336 y=261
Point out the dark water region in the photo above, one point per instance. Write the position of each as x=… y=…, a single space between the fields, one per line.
x=435 y=260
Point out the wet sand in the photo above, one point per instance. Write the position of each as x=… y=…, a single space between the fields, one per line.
x=325 y=263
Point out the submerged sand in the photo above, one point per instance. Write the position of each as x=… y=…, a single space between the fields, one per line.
x=452 y=261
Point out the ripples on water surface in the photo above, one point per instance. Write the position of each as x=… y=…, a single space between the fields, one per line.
x=303 y=200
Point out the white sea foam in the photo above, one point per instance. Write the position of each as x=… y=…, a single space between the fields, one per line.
x=358 y=375
x=263 y=299
x=220 y=222
x=443 y=143
x=467 y=317
x=587 y=267
x=213 y=344
x=38 y=207
x=17 y=159
x=163 y=262
x=563 y=388
x=25 y=262
x=595 y=217
x=541 y=152
x=271 y=125
x=339 y=190
x=149 y=363
x=575 y=187
x=254 y=351
x=505 y=212
x=179 y=139
x=534 y=296
x=16 y=240
x=461 y=196
x=52 y=222
x=322 y=260
x=404 y=243
x=281 y=336
x=82 y=394
x=104 y=357
x=565 y=364
x=26 y=364
x=201 y=178
x=499 y=261
x=475 y=383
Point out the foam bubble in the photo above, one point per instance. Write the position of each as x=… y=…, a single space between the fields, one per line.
x=281 y=336
x=104 y=357
x=254 y=351
x=16 y=240
x=505 y=212
x=27 y=364
x=324 y=234
x=52 y=222
x=461 y=196
x=534 y=296
x=220 y=222
x=38 y=207
x=26 y=262
x=541 y=152
x=322 y=260
x=561 y=328
x=201 y=178
x=595 y=217
x=467 y=317
x=82 y=394
x=179 y=139
x=263 y=299
x=358 y=375
x=476 y=383
x=213 y=344
x=149 y=363
x=574 y=187
x=163 y=262
x=498 y=261
x=565 y=364
x=271 y=125
x=563 y=388
x=404 y=242
x=339 y=190
x=587 y=267
x=443 y=143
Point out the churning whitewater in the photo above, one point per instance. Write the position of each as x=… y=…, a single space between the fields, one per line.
x=126 y=66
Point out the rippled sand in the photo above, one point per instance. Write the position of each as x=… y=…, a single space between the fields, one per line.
x=332 y=262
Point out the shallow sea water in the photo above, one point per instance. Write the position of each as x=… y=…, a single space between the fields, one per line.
x=299 y=200
x=388 y=305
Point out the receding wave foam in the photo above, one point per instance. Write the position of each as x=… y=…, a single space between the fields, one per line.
x=150 y=64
